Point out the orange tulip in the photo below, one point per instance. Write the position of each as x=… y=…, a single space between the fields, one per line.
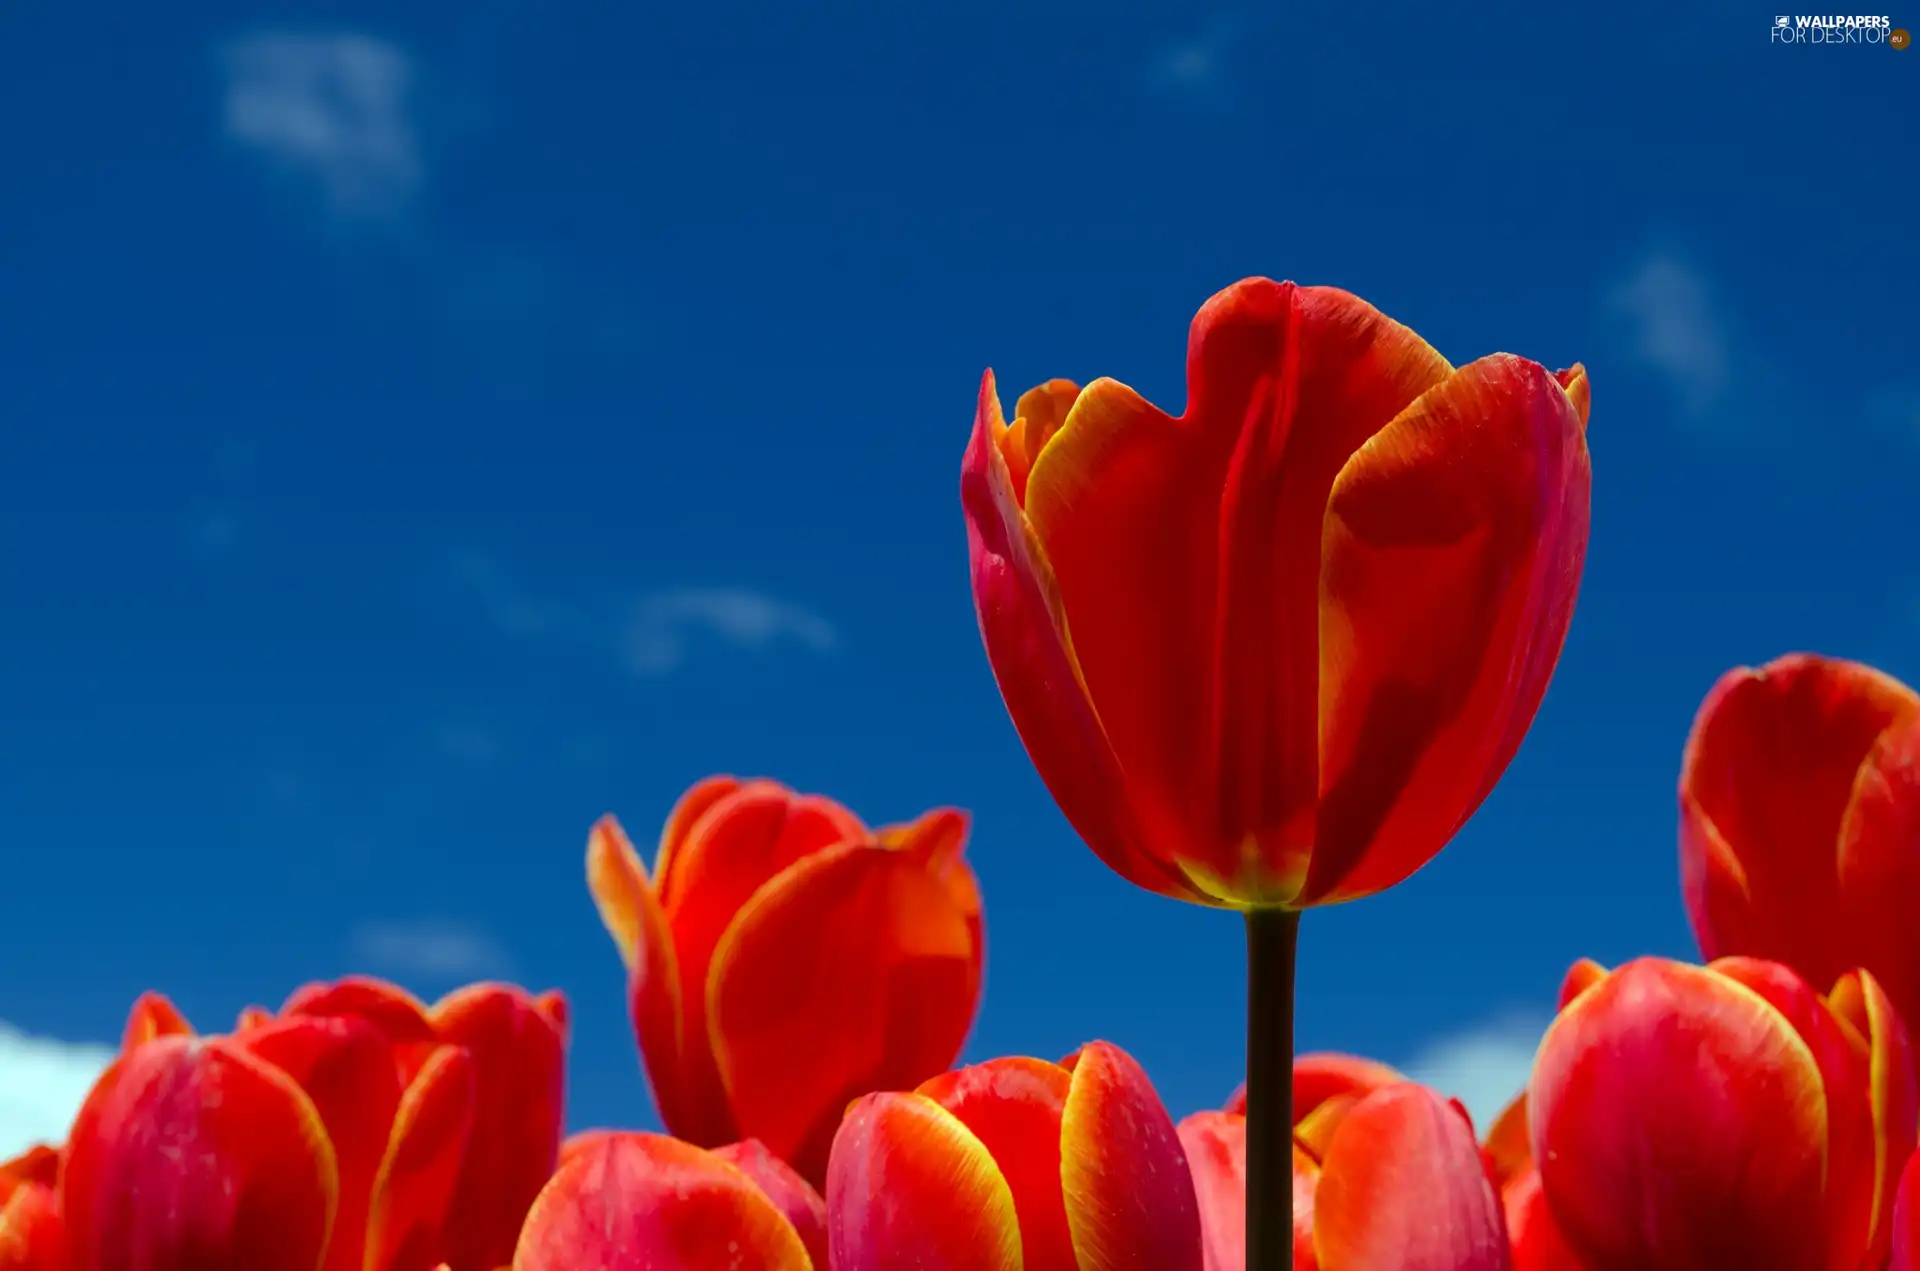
x=627 y=1201
x=1692 y=1118
x=1015 y=1165
x=1800 y=822
x=355 y=1131
x=31 y=1235
x=1386 y=1174
x=1275 y=651
x=785 y=960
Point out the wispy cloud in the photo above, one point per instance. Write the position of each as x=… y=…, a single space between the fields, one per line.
x=665 y=627
x=42 y=1084
x=430 y=951
x=651 y=635
x=329 y=108
x=1198 y=69
x=1484 y=1066
x=1676 y=327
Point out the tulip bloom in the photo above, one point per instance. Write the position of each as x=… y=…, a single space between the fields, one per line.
x=785 y=960
x=31 y=1236
x=1800 y=822
x=1385 y=1174
x=1275 y=651
x=628 y=1201
x=355 y=1131
x=1688 y=1118
x=1015 y=1165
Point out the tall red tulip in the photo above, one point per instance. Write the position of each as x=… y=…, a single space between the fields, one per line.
x=784 y=959
x=1800 y=822
x=1272 y=653
x=1015 y=1165
x=1386 y=1174
x=1692 y=1118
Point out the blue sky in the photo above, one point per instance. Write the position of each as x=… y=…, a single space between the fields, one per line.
x=429 y=426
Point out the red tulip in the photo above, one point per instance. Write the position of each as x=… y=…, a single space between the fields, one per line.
x=1275 y=651
x=624 y=1201
x=1015 y=1165
x=1386 y=1176
x=1800 y=822
x=355 y=1131
x=1691 y=1118
x=515 y=1043
x=31 y=1234
x=785 y=960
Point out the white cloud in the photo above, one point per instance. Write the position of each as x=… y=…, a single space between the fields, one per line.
x=1484 y=1066
x=332 y=108
x=42 y=1084
x=664 y=627
x=1676 y=328
x=431 y=951
x=653 y=635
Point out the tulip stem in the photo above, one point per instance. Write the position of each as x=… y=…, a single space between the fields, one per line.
x=1273 y=940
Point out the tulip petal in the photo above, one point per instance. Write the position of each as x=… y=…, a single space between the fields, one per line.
x=1215 y=1144
x=519 y=1078
x=1579 y=391
x=856 y=958
x=1187 y=556
x=193 y=1155
x=1453 y=550
x=1844 y=1059
x=791 y=1194
x=1017 y=602
x=630 y=910
x=1537 y=1243
x=411 y=1208
x=38 y=1164
x=910 y=1186
x=1906 y=1220
x=345 y=1066
x=153 y=1015
x=686 y=813
x=1509 y=1141
x=1014 y=1106
x=31 y=1235
x=1879 y=866
x=1679 y=1121
x=1322 y=1076
x=1767 y=776
x=1402 y=1187
x=1893 y=1100
x=1129 y=1194
x=645 y=1202
x=1580 y=977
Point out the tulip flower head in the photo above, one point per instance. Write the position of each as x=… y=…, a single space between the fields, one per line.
x=1687 y=1117
x=1800 y=822
x=784 y=959
x=357 y=1130
x=1385 y=1174
x=1015 y=1165
x=1275 y=651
